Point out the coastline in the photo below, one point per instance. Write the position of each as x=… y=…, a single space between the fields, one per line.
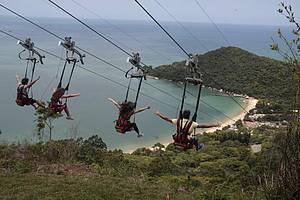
x=250 y=104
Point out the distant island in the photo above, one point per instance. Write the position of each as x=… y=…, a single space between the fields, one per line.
x=238 y=71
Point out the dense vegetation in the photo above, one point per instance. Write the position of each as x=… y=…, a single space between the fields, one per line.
x=85 y=169
x=238 y=71
x=225 y=169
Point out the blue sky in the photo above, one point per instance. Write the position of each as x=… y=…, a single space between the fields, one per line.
x=221 y=11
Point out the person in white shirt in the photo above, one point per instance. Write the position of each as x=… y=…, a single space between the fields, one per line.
x=184 y=123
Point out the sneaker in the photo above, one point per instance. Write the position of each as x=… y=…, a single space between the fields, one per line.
x=69 y=118
x=140 y=135
x=200 y=146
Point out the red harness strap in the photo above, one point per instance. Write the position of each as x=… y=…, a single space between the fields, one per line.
x=122 y=123
x=22 y=97
x=181 y=137
x=56 y=106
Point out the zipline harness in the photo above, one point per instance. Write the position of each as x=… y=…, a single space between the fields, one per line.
x=69 y=45
x=29 y=46
x=138 y=74
x=181 y=136
x=123 y=121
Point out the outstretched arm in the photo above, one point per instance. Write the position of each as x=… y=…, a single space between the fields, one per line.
x=208 y=125
x=163 y=117
x=114 y=102
x=141 y=109
x=31 y=83
x=18 y=80
x=65 y=96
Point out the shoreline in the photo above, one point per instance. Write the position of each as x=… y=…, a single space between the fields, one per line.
x=250 y=104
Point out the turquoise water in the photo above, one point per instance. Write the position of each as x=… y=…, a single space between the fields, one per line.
x=92 y=112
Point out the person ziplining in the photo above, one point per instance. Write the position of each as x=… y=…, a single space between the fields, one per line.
x=127 y=109
x=23 y=98
x=184 y=126
x=60 y=96
x=24 y=85
x=56 y=102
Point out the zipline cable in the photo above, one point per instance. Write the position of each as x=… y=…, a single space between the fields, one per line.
x=162 y=28
x=212 y=107
x=92 y=29
x=93 y=72
x=212 y=21
x=55 y=35
x=184 y=51
x=86 y=25
x=224 y=38
x=121 y=30
x=89 y=27
x=180 y=24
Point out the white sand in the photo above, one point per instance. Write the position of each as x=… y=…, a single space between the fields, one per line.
x=251 y=103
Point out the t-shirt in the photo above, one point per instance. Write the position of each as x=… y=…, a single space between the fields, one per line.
x=193 y=126
x=22 y=90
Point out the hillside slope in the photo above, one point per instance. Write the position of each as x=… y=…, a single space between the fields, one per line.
x=239 y=71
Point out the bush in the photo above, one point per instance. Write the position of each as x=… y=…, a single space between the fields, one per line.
x=163 y=166
x=91 y=150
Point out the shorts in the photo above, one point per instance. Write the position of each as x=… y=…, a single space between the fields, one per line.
x=58 y=108
x=25 y=101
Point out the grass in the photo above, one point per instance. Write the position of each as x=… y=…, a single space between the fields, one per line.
x=49 y=186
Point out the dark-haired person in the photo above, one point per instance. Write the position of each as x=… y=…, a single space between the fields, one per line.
x=23 y=87
x=126 y=110
x=185 y=122
x=56 y=104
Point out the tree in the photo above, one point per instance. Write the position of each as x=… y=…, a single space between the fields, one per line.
x=91 y=150
x=288 y=183
x=45 y=118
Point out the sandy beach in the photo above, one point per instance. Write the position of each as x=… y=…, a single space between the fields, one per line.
x=250 y=104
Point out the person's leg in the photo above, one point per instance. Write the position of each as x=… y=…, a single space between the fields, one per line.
x=30 y=102
x=36 y=103
x=136 y=129
x=195 y=142
x=66 y=109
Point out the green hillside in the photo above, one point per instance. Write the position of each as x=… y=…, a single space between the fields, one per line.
x=238 y=71
x=84 y=169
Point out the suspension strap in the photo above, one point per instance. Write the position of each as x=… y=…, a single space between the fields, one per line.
x=69 y=45
x=182 y=100
x=182 y=103
x=33 y=68
x=198 y=102
x=138 y=91
x=127 y=92
x=62 y=74
x=137 y=94
x=72 y=71
x=26 y=70
x=32 y=74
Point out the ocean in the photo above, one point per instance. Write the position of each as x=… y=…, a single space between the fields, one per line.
x=93 y=113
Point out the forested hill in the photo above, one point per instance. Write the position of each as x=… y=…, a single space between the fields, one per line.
x=239 y=71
